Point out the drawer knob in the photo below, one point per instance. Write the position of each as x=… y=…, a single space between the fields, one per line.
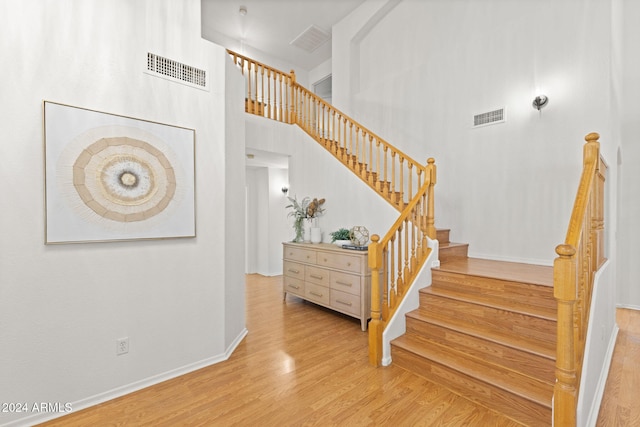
x=344 y=303
x=294 y=286
x=316 y=294
x=291 y=270
x=315 y=276
x=344 y=283
x=348 y=264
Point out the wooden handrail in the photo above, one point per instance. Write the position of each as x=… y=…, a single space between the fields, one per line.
x=579 y=257
x=396 y=260
x=384 y=167
x=276 y=95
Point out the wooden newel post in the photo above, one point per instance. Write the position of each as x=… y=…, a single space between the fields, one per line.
x=292 y=106
x=431 y=172
x=375 y=325
x=565 y=291
x=591 y=149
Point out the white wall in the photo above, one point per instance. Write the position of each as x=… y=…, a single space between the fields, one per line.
x=268 y=226
x=629 y=192
x=319 y=73
x=313 y=172
x=234 y=201
x=425 y=68
x=62 y=307
x=599 y=346
x=255 y=250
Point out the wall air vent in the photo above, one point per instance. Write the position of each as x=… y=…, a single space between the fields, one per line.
x=176 y=71
x=489 y=118
x=311 y=39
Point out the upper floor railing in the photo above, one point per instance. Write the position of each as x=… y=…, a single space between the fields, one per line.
x=276 y=95
x=579 y=257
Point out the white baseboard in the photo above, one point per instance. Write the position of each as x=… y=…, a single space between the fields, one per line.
x=628 y=306
x=130 y=388
x=544 y=262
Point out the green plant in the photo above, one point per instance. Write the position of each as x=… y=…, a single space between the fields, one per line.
x=340 y=234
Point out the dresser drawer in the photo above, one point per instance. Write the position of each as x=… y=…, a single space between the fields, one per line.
x=299 y=254
x=317 y=293
x=339 y=261
x=293 y=269
x=293 y=286
x=344 y=282
x=316 y=275
x=347 y=303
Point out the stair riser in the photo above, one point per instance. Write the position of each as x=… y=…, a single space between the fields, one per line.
x=519 y=360
x=483 y=317
x=450 y=253
x=537 y=296
x=442 y=235
x=519 y=408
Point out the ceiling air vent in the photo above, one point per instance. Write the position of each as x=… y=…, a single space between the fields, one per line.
x=311 y=39
x=176 y=71
x=489 y=118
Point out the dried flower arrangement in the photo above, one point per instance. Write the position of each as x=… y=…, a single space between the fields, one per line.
x=306 y=209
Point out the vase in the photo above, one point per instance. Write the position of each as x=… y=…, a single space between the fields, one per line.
x=307 y=231
x=316 y=235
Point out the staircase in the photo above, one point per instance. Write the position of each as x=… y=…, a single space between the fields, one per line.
x=486 y=330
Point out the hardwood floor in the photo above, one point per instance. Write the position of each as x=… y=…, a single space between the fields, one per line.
x=620 y=404
x=303 y=365
x=300 y=365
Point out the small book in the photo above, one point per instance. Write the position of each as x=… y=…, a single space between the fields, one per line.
x=355 y=247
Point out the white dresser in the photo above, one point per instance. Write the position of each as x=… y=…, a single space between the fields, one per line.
x=330 y=276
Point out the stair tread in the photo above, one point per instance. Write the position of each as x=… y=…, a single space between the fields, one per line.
x=520 y=342
x=514 y=305
x=452 y=245
x=522 y=385
x=504 y=270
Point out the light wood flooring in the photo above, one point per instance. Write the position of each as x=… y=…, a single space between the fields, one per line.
x=302 y=365
x=621 y=403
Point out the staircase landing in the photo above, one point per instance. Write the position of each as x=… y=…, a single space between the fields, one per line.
x=512 y=271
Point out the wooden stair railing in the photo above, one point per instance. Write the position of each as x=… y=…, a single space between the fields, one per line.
x=579 y=257
x=269 y=91
x=396 y=260
x=276 y=95
x=409 y=186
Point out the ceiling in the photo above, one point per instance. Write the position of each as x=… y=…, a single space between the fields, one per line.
x=265 y=159
x=270 y=26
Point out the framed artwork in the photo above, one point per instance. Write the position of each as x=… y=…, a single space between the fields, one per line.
x=115 y=178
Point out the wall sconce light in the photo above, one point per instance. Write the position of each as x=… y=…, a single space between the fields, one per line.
x=285 y=190
x=540 y=101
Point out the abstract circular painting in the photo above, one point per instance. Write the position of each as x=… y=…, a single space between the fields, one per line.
x=116 y=178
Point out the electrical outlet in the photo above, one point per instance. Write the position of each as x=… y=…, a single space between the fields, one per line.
x=122 y=346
